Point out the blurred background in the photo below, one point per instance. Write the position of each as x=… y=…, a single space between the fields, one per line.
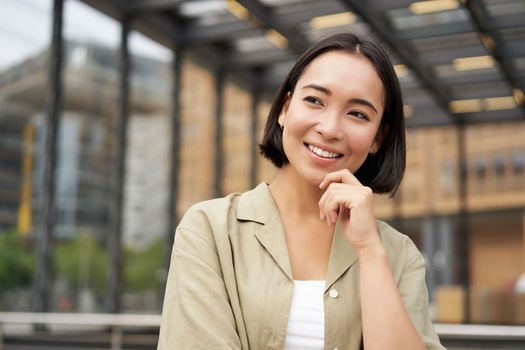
x=117 y=115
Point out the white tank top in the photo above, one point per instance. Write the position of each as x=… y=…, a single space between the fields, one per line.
x=306 y=322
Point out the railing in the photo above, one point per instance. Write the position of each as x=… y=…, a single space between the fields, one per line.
x=117 y=324
x=481 y=332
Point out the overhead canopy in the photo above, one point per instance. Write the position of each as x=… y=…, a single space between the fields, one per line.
x=458 y=61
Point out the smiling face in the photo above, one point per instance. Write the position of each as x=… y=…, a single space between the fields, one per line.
x=331 y=121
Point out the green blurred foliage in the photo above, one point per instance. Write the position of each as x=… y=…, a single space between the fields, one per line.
x=17 y=260
x=142 y=267
x=82 y=261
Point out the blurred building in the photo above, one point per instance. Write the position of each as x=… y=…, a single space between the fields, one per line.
x=85 y=142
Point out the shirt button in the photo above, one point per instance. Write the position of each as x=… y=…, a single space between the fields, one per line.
x=333 y=294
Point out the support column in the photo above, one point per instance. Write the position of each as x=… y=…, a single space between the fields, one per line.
x=114 y=282
x=173 y=218
x=256 y=98
x=44 y=234
x=463 y=234
x=219 y=97
x=446 y=244
x=429 y=249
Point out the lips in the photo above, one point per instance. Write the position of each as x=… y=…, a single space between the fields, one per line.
x=322 y=152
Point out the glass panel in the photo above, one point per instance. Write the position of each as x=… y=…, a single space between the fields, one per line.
x=25 y=35
x=495 y=222
x=266 y=171
x=86 y=142
x=197 y=136
x=236 y=139
x=145 y=212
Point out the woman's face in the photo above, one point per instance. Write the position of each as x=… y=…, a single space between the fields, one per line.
x=331 y=122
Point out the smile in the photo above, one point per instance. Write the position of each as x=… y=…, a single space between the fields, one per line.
x=323 y=153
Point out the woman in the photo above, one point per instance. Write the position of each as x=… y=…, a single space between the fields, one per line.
x=302 y=263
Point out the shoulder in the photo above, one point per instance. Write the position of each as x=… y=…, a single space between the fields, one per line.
x=208 y=211
x=400 y=248
x=215 y=218
x=207 y=218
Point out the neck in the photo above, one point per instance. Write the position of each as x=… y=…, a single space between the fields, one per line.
x=293 y=195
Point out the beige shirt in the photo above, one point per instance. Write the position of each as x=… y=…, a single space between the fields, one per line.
x=230 y=283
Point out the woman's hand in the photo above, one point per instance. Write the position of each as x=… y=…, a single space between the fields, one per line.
x=347 y=199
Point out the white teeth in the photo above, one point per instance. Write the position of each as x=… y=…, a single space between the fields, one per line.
x=322 y=152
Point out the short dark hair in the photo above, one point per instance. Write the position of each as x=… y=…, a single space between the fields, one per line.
x=384 y=170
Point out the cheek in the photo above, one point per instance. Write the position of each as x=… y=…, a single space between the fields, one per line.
x=297 y=123
x=361 y=140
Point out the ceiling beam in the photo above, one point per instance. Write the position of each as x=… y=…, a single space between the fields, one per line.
x=435 y=30
x=300 y=12
x=144 y=6
x=260 y=58
x=113 y=9
x=511 y=21
x=446 y=55
x=198 y=35
x=405 y=54
x=495 y=46
x=297 y=42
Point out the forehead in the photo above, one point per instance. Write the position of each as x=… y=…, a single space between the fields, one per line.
x=344 y=73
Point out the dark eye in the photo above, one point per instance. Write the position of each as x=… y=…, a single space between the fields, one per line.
x=358 y=114
x=313 y=100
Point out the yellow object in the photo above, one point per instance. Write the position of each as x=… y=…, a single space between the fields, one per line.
x=472 y=63
x=238 y=10
x=276 y=38
x=24 y=210
x=450 y=303
x=424 y=7
x=332 y=21
x=401 y=70
x=465 y=106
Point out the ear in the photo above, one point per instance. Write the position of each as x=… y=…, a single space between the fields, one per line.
x=284 y=110
x=381 y=134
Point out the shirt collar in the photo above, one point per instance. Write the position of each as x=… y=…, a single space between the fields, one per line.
x=258 y=205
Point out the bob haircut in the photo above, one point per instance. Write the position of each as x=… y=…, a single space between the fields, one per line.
x=382 y=171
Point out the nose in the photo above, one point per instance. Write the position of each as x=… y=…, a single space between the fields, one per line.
x=329 y=126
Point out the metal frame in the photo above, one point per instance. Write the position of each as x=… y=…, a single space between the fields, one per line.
x=214 y=44
x=494 y=45
x=44 y=236
x=114 y=281
x=219 y=110
x=159 y=20
x=173 y=219
x=256 y=98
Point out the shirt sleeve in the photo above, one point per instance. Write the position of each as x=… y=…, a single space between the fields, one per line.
x=196 y=312
x=414 y=293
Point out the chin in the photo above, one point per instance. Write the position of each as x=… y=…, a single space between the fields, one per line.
x=315 y=179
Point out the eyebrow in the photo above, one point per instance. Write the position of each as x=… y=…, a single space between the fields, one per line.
x=326 y=91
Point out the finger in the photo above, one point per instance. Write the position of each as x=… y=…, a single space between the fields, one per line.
x=329 y=206
x=334 y=215
x=322 y=214
x=332 y=187
x=329 y=193
x=340 y=176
